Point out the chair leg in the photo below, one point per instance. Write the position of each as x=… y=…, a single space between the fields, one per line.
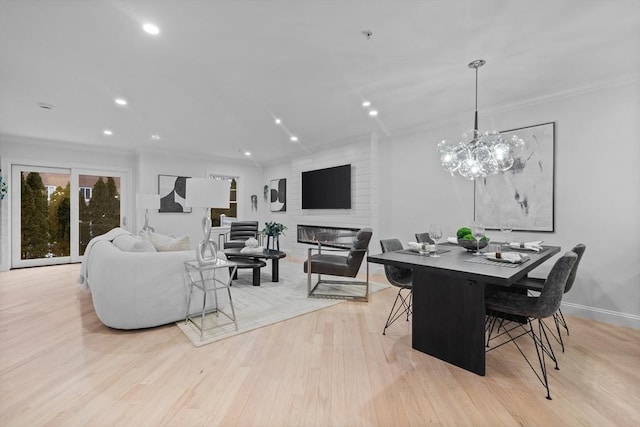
x=539 y=339
x=403 y=307
x=558 y=338
x=561 y=320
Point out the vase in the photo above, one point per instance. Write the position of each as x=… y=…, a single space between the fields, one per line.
x=273 y=242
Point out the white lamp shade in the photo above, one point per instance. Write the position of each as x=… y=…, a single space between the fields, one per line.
x=148 y=201
x=207 y=193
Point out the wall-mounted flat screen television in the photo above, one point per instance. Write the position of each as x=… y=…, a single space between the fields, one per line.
x=328 y=188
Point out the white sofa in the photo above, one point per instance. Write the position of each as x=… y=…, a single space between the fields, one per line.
x=139 y=287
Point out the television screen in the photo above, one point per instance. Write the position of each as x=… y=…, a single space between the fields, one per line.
x=327 y=188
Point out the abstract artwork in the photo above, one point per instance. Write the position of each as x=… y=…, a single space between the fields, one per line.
x=279 y=195
x=523 y=196
x=172 y=190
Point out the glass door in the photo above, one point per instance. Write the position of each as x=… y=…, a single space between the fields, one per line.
x=56 y=211
x=41 y=216
x=99 y=206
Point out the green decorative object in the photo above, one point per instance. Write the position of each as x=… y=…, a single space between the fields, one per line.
x=266 y=193
x=254 y=202
x=273 y=230
x=3 y=188
x=463 y=232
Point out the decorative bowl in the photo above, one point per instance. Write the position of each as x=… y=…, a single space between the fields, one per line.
x=470 y=245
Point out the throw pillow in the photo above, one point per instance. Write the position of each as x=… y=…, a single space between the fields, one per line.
x=166 y=244
x=130 y=243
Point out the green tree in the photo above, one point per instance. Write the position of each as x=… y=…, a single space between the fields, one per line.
x=104 y=207
x=60 y=221
x=98 y=206
x=34 y=217
x=113 y=204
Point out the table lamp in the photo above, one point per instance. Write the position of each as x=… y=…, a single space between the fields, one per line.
x=207 y=193
x=147 y=201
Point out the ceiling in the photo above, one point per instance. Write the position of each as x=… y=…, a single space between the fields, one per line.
x=220 y=72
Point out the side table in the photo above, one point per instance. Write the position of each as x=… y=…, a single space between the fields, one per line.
x=205 y=276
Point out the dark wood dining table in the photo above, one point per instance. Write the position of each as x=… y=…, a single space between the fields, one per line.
x=448 y=299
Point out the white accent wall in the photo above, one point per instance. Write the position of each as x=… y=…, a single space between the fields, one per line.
x=362 y=155
x=152 y=163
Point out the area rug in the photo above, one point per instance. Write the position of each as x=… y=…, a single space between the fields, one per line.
x=259 y=306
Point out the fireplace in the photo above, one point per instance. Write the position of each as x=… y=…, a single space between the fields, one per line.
x=337 y=237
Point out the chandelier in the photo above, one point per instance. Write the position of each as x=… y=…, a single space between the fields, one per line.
x=479 y=155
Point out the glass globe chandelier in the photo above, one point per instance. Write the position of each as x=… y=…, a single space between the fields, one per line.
x=479 y=155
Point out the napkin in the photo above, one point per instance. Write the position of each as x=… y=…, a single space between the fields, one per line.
x=415 y=246
x=452 y=240
x=512 y=257
x=528 y=246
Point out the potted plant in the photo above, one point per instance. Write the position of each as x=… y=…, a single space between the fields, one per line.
x=273 y=230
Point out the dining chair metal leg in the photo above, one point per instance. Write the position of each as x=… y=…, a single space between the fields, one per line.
x=558 y=320
x=540 y=340
x=403 y=307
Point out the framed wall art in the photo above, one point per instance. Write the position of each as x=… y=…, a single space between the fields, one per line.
x=278 y=195
x=521 y=198
x=172 y=190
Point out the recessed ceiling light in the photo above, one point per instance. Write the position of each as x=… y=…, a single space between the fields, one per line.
x=151 y=29
x=366 y=104
x=373 y=113
x=247 y=153
x=294 y=139
x=107 y=132
x=45 y=105
x=278 y=121
x=121 y=101
x=155 y=137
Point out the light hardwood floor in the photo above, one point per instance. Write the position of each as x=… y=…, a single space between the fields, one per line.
x=60 y=366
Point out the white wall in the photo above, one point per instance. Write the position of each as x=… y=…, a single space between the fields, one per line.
x=362 y=154
x=152 y=164
x=597 y=192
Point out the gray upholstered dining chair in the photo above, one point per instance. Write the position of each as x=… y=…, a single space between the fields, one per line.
x=536 y=284
x=239 y=233
x=402 y=278
x=424 y=238
x=339 y=262
x=515 y=314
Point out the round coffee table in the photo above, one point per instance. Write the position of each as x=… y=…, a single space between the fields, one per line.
x=272 y=254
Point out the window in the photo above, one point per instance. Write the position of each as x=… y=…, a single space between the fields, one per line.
x=232 y=212
x=86 y=193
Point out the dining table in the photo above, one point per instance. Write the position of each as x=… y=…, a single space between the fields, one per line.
x=448 y=312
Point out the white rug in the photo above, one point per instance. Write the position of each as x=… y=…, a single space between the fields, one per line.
x=258 y=306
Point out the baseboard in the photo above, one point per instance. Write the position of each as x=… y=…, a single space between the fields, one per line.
x=602 y=315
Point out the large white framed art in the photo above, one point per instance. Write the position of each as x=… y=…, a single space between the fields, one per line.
x=523 y=196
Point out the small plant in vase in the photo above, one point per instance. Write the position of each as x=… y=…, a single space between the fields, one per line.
x=273 y=230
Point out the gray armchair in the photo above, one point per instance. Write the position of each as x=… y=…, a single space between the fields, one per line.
x=239 y=233
x=339 y=262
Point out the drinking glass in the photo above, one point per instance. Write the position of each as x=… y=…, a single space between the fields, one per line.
x=435 y=232
x=478 y=232
x=506 y=227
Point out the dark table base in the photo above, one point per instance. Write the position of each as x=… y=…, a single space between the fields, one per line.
x=448 y=319
x=274 y=255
